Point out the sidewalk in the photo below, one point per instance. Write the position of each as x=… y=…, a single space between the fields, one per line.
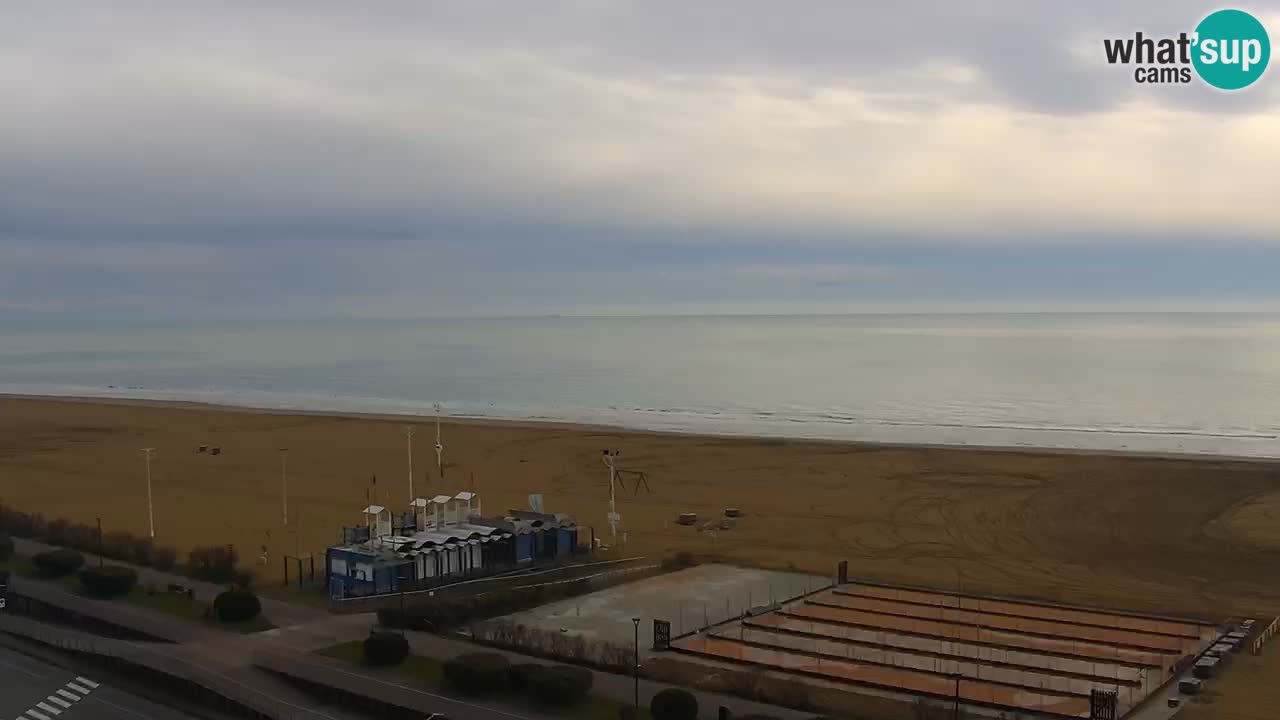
x=280 y=613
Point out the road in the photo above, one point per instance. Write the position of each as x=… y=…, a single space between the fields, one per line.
x=32 y=689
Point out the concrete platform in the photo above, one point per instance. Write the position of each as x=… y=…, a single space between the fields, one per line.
x=997 y=654
x=690 y=599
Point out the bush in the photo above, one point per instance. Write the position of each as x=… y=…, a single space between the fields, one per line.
x=142 y=551
x=108 y=580
x=6 y=547
x=215 y=564
x=117 y=546
x=242 y=579
x=477 y=673
x=674 y=704
x=385 y=648
x=559 y=685
x=236 y=606
x=57 y=563
x=164 y=558
x=518 y=674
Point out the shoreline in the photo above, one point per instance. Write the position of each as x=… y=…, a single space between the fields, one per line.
x=599 y=427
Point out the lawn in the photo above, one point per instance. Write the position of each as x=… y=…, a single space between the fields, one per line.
x=429 y=673
x=168 y=603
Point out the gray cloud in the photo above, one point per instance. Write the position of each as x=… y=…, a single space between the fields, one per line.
x=245 y=153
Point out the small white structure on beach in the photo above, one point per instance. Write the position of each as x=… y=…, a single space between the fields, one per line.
x=378 y=519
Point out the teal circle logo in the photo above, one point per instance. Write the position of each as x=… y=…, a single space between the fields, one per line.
x=1231 y=49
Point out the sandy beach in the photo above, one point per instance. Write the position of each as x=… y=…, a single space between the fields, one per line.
x=1187 y=535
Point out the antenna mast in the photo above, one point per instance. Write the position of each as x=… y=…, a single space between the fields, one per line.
x=610 y=458
x=408 y=435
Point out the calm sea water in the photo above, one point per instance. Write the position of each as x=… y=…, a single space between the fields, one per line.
x=1203 y=383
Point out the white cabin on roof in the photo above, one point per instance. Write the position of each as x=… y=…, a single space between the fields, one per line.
x=466 y=506
x=420 y=515
x=378 y=519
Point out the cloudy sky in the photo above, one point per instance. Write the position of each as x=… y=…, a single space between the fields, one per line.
x=422 y=158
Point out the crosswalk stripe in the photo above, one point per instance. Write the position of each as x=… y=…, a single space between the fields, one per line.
x=37 y=715
x=59 y=701
x=68 y=695
x=48 y=708
x=77 y=688
x=87 y=681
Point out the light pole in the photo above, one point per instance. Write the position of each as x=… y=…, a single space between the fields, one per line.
x=99 y=542
x=955 y=708
x=151 y=517
x=408 y=435
x=636 y=622
x=284 y=484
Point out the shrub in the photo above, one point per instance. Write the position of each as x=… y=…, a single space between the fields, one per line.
x=164 y=558
x=215 y=564
x=107 y=580
x=117 y=546
x=559 y=685
x=56 y=563
x=674 y=704
x=242 y=579
x=385 y=648
x=142 y=551
x=477 y=673
x=236 y=606
x=518 y=674
x=6 y=547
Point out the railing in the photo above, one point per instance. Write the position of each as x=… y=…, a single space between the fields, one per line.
x=1265 y=635
x=477 y=584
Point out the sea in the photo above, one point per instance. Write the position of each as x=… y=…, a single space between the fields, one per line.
x=1144 y=382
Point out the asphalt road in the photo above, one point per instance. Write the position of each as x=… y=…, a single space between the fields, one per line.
x=31 y=689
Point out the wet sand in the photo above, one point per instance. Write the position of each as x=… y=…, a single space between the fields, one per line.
x=1185 y=535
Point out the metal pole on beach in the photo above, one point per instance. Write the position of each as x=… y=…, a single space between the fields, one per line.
x=408 y=434
x=284 y=484
x=151 y=518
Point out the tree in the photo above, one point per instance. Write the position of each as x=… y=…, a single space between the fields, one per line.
x=108 y=580
x=236 y=606
x=385 y=648
x=674 y=704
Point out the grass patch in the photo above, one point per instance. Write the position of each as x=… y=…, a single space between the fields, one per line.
x=185 y=608
x=429 y=673
x=171 y=604
x=317 y=599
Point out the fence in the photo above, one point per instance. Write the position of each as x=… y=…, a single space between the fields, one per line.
x=1265 y=635
x=689 y=618
x=490 y=583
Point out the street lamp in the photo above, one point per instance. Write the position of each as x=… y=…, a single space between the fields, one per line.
x=151 y=516
x=955 y=708
x=636 y=622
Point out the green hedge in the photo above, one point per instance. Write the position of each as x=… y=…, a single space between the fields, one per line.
x=385 y=648
x=164 y=559
x=559 y=685
x=518 y=674
x=215 y=564
x=674 y=704
x=6 y=547
x=236 y=606
x=57 y=563
x=477 y=673
x=108 y=580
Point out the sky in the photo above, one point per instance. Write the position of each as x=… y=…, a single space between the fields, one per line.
x=422 y=158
